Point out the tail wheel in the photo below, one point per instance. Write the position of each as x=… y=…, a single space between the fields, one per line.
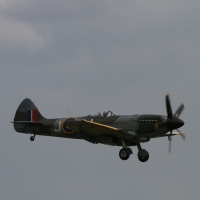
x=32 y=138
x=124 y=154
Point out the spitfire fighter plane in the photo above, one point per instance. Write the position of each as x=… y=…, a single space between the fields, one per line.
x=104 y=127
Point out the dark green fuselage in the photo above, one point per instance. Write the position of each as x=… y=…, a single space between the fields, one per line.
x=131 y=127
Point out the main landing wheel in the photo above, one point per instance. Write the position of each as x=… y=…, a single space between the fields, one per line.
x=124 y=154
x=32 y=138
x=143 y=156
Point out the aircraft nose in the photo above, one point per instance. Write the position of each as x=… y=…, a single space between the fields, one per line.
x=174 y=123
x=181 y=122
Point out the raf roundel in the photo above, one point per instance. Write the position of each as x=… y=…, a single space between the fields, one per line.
x=65 y=128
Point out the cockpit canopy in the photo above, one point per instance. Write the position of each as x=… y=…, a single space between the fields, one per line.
x=103 y=113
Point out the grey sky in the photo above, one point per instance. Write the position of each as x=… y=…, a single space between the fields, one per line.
x=89 y=55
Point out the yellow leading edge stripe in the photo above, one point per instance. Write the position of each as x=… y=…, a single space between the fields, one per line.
x=110 y=127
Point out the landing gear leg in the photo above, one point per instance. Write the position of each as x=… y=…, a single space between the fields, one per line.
x=143 y=155
x=125 y=152
x=32 y=138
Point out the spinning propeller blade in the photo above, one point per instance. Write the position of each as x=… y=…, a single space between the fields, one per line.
x=168 y=106
x=179 y=110
x=170 y=142
x=181 y=134
x=170 y=146
x=173 y=121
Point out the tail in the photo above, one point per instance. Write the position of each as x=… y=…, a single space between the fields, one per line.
x=27 y=111
x=26 y=114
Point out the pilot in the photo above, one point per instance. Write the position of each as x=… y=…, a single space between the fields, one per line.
x=105 y=113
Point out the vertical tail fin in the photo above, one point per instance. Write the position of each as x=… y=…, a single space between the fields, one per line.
x=27 y=111
x=26 y=114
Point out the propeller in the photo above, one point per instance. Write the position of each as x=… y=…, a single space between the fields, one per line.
x=173 y=122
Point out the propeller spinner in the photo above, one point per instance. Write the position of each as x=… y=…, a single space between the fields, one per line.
x=173 y=121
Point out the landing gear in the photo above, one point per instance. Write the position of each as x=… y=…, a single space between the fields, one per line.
x=143 y=155
x=125 y=152
x=32 y=138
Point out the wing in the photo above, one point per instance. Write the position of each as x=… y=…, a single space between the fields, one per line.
x=94 y=128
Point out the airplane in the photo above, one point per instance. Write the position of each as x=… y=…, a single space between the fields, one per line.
x=103 y=127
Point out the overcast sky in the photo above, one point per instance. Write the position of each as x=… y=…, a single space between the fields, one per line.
x=93 y=55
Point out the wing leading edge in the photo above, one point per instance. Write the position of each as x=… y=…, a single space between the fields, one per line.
x=94 y=128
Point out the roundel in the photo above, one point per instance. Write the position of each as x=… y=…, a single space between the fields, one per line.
x=65 y=128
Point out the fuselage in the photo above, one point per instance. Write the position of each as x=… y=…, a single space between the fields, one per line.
x=145 y=126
